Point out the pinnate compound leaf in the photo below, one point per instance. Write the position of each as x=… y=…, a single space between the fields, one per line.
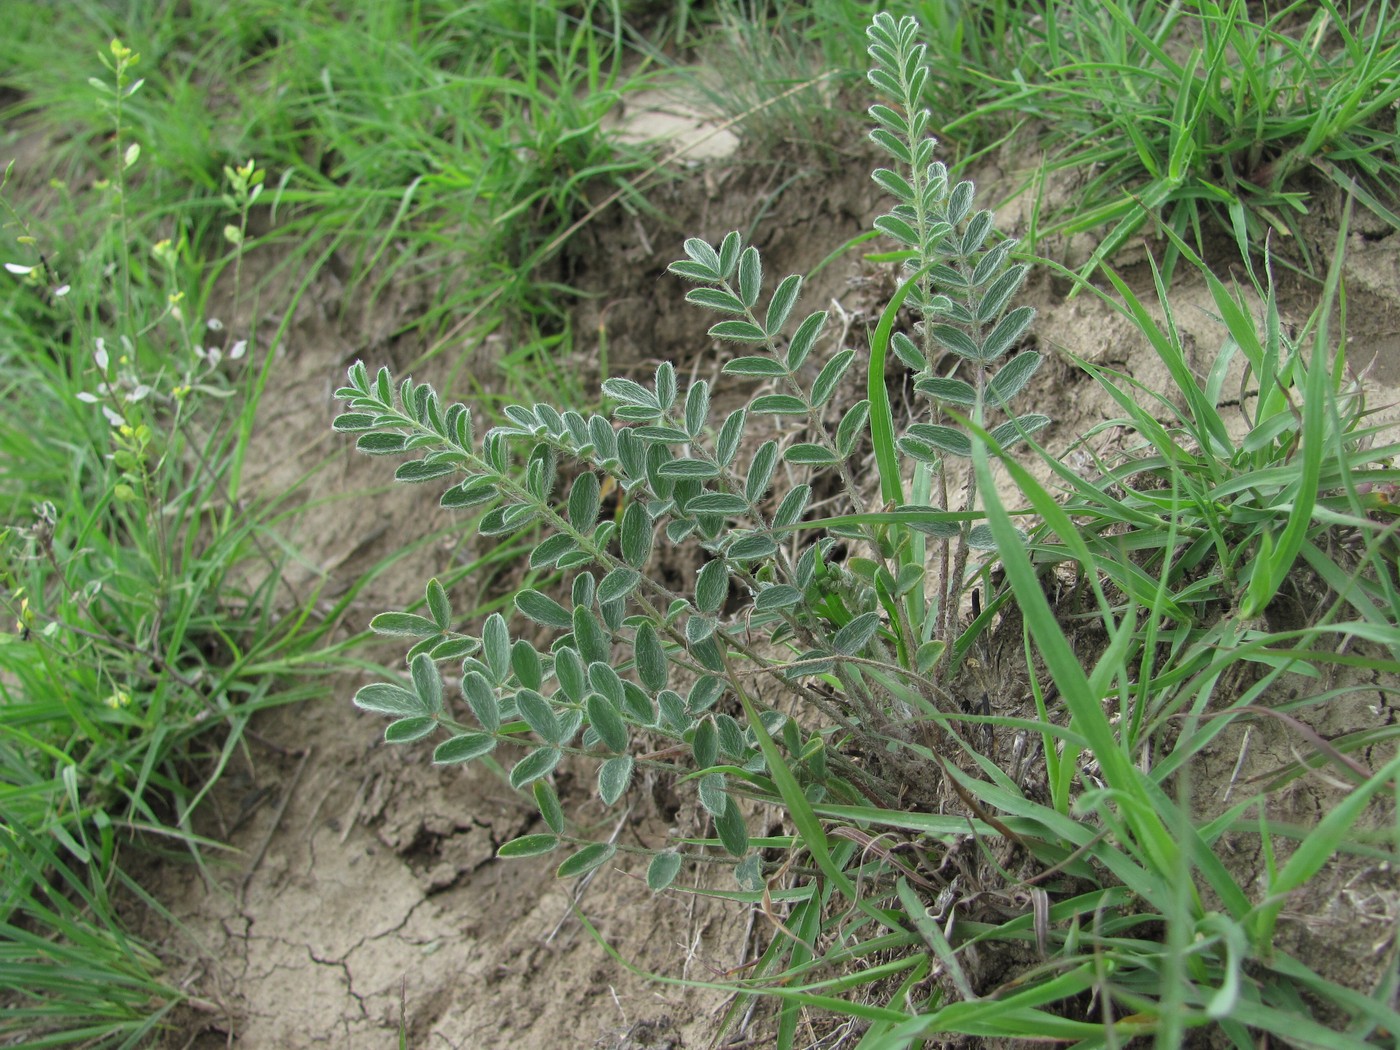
x=790 y=509
x=907 y=352
x=804 y=339
x=585 y=860
x=406 y=730
x=1007 y=332
x=634 y=538
x=688 y=468
x=547 y=799
x=715 y=299
x=535 y=765
x=948 y=391
x=662 y=870
x=439 y=605
x=692 y=270
x=481 y=698
x=727 y=444
x=698 y=628
x=652 y=665
x=856 y=635
x=383 y=698
x=618 y=583
x=463 y=748
x=711 y=586
x=607 y=722
x=614 y=776
x=594 y=643
x=705 y=743
x=750 y=276
x=528 y=846
x=733 y=835
x=779 y=405
x=605 y=680
x=704 y=255
x=495 y=646
x=452 y=648
x=830 y=375
x=584 y=501
x=1009 y=433
x=761 y=471
x=401 y=623
x=778 y=596
x=956 y=340
x=630 y=393
x=851 y=427
x=421 y=470
x=697 y=407
x=737 y=332
x=748 y=873
x=893 y=183
x=717 y=503
x=954 y=442
x=1001 y=291
x=543 y=609
x=568 y=669
x=754 y=366
x=781 y=304
x=1013 y=377
x=811 y=455
x=712 y=794
x=897 y=228
x=379 y=443
x=752 y=547
x=666 y=384
x=427 y=683
x=471 y=493
x=350 y=422
x=539 y=715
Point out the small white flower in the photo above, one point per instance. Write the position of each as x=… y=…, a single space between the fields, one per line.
x=62 y=290
x=141 y=392
x=86 y=398
x=112 y=417
x=100 y=354
x=238 y=350
x=18 y=270
x=214 y=324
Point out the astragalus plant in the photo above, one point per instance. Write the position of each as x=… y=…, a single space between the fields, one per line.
x=924 y=882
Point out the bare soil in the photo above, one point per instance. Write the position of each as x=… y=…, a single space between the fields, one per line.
x=362 y=892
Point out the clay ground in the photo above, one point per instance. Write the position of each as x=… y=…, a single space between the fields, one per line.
x=361 y=891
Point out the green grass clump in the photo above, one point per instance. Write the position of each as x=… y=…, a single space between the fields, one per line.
x=146 y=620
x=1207 y=114
x=1203 y=115
x=438 y=144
